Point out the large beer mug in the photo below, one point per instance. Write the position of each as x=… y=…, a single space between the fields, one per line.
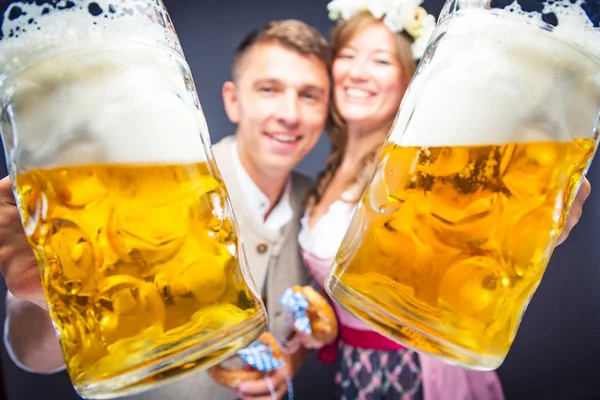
x=474 y=183
x=121 y=200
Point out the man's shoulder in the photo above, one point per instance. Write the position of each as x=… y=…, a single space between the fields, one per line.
x=221 y=151
x=222 y=143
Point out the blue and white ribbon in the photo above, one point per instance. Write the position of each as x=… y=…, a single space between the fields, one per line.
x=296 y=305
x=259 y=356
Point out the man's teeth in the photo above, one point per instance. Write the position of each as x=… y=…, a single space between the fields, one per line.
x=357 y=93
x=285 y=138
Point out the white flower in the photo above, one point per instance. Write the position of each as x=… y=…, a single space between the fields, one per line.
x=412 y=20
x=422 y=36
x=394 y=15
x=379 y=8
x=418 y=48
x=334 y=13
x=397 y=15
x=345 y=9
x=394 y=22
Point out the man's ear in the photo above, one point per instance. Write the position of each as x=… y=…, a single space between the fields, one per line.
x=230 y=101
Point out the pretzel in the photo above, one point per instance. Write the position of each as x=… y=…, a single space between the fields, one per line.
x=232 y=378
x=323 y=323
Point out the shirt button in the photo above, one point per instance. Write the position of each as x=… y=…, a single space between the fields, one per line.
x=262 y=248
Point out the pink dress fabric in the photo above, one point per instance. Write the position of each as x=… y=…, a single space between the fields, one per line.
x=441 y=381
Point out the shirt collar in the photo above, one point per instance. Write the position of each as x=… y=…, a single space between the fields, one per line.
x=259 y=203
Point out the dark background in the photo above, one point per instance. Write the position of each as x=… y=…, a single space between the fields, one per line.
x=556 y=354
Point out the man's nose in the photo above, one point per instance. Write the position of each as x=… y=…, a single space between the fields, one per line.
x=288 y=109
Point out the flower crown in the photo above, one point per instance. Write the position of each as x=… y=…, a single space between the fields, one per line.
x=398 y=15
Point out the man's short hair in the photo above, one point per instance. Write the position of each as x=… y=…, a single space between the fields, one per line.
x=292 y=34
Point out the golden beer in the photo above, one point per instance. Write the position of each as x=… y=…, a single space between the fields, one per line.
x=141 y=262
x=455 y=239
x=473 y=186
x=138 y=262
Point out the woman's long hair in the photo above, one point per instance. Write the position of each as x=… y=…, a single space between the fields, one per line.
x=336 y=126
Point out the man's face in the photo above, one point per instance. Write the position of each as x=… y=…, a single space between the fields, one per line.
x=280 y=103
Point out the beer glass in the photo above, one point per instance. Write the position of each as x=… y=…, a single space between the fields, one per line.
x=119 y=194
x=475 y=180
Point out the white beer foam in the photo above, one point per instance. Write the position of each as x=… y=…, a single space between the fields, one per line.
x=31 y=30
x=494 y=80
x=98 y=96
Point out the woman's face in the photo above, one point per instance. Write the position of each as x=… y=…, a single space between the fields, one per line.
x=368 y=79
